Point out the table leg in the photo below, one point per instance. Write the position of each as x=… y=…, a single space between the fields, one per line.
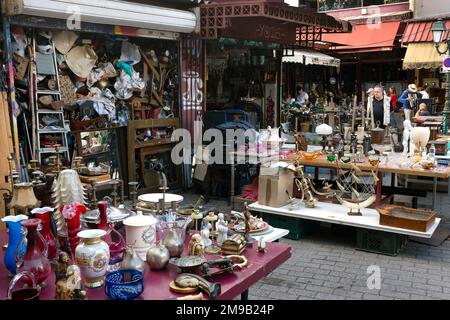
x=434 y=193
x=378 y=190
x=244 y=295
x=392 y=185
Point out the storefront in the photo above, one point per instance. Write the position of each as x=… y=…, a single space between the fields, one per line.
x=96 y=84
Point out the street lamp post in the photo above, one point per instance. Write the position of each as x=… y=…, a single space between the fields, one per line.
x=438 y=31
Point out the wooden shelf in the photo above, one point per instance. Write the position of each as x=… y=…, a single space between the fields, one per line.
x=154 y=142
x=97 y=129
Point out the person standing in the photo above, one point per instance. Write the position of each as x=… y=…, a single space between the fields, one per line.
x=424 y=92
x=409 y=98
x=302 y=98
x=379 y=108
x=393 y=96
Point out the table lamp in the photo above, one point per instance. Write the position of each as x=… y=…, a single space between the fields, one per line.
x=324 y=131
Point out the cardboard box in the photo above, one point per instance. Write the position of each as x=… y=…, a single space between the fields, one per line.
x=272 y=186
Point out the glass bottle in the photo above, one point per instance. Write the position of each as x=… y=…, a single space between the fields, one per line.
x=34 y=259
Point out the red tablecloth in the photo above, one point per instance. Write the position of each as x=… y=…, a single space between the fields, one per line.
x=157 y=282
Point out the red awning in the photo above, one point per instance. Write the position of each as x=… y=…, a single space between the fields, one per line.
x=421 y=32
x=365 y=38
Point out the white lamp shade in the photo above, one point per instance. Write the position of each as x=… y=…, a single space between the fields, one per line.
x=438 y=30
x=324 y=130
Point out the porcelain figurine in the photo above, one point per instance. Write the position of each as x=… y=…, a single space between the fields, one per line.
x=205 y=234
x=407 y=141
x=222 y=229
x=196 y=246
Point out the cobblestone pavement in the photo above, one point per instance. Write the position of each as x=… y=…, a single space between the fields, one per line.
x=326 y=266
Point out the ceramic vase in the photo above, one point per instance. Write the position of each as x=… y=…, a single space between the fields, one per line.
x=15 y=237
x=92 y=255
x=140 y=233
x=44 y=214
x=34 y=260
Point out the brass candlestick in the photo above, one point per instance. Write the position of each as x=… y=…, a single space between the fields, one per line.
x=114 y=193
x=213 y=248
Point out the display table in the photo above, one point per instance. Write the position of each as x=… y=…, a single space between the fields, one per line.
x=273 y=236
x=337 y=214
x=394 y=164
x=157 y=282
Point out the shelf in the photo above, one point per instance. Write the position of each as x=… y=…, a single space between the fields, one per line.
x=97 y=129
x=49 y=111
x=154 y=142
x=51 y=131
x=52 y=92
x=52 y=150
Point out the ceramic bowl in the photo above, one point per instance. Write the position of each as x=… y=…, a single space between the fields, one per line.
x=310 y=156
x=124 y=284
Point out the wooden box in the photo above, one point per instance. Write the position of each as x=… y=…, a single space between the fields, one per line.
x=406 y=218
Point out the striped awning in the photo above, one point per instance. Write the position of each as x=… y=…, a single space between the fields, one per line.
x=313 y=57
x=422 y=55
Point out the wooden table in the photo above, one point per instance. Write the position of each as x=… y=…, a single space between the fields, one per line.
x=156 y=285
x=389 y=164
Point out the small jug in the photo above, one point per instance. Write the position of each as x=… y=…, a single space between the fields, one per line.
x=25 y=293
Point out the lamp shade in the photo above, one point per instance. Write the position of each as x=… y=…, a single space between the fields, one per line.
x=438 y=30
x=23 y=197
x=324 y=130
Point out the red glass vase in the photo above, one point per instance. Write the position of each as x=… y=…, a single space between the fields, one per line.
x=71 y=214
x=34 y=259
x=44 y=215
x=113 y=238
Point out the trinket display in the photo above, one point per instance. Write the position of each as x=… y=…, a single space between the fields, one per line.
x=141 y=233
x=124 y=284
x=16 y=246
x=189 y=280
x=132 y=261
x=68 y=280
x=196 y=246
x=158 y=256
x=92 y=255
x=34 y=260
x=256 y=224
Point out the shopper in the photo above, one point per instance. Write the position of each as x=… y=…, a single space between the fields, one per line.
x=302 y=98
x=408 y=99
x=424 y=92
x=394 y=116
x=379 y=107
x=423 y=111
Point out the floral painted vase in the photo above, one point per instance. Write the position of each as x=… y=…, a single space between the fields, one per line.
x=92 y=255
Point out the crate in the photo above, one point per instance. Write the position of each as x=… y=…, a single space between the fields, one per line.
x=380 y=242
x=298 y=228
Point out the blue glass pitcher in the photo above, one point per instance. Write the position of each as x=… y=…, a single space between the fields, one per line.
x=15 y=237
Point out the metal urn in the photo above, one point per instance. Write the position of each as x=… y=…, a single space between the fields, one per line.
x=174 y=243
x=132 y=261
x=158 y=256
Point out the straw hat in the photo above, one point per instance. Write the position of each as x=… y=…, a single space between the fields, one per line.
x=81 y=60
x=412 y=88
x=64 y=40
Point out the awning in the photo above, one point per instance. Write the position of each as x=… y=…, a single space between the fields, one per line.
x=421 y=55
x=262 y=20
x=313 y=57
x=421 y=32
x=365 y=38
x=119 y=13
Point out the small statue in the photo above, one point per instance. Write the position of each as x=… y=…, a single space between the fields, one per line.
x=196 y=246
x=68 y=280
x=407 y=141
x=222 y=229
x=205 y=234
x=247 y=217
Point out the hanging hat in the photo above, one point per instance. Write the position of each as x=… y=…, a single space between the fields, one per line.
x=64 y=40
x=412 y=87
x=81 y=60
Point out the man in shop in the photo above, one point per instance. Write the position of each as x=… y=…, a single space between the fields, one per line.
x=379 y=108
x=302 y=98
x=408 y=99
